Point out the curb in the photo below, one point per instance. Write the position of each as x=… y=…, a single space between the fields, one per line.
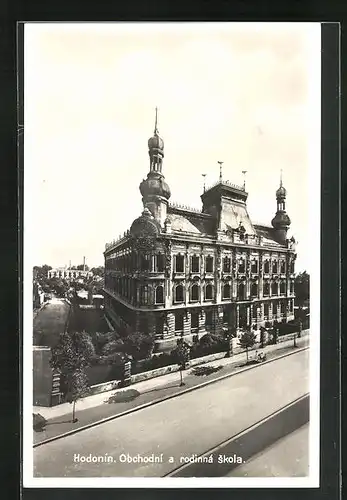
x=161 y=400
x=249 y=442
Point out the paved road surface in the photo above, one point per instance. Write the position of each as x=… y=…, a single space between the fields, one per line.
x=191 y=423
x=288 y=457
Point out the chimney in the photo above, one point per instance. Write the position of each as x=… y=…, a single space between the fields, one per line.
x=84 y=263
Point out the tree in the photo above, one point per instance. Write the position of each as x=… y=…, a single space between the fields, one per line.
x=98 y=271
x=82 y=267
x=247 y=341
x=139 y=345
x=302 y=288
x=182 y=355
x=41 y=272
x=71 y=356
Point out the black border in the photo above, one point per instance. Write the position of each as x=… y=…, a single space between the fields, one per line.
x=330 y=444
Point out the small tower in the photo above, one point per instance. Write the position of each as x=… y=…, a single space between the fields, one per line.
x=155 y=191
x=281 y=221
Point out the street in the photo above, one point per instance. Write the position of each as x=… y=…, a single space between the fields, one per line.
x=189 y=424
x=287 y=457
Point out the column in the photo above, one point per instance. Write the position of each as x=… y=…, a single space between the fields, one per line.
x=202 y=319
x=187 y=323
x=217 y=320
x=248 y=315
x=237 y=317
x=170 y=325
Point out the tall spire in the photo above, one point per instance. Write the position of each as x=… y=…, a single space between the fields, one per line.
x=220 y=170
x=156 y=122
x=281 y=184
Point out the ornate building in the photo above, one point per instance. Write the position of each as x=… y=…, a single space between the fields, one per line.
x=180 y=271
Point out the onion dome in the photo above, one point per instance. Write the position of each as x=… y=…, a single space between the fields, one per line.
x=155 y=185
x=281 y=221
x=281 y=192
x=156 y=142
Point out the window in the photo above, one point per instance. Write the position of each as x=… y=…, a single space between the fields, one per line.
x=292 y=267
x=283 y=307
x=282 y=288
x=254 y=312
x=195 y=264
x=160 y=263
x=225 y=316
x=159 y=295
x=195 y=321
x=283 y=267
x=291 y=306
x=291 y=286
x=254 y=290
x=208 y=319
x=274 y=267
x=179 y=293
x=266 y=267
x=241 y=266
x=178 y=321
x=254 y=268
x=226 y=291
x=266 y=289
x=241 y=291
x=194 y=292
x=226 y=264
x=274 y=289
x=144 y=294
x=209 y=292
x=209 y=264
x=179 y=260
x=266 y=311
x=159 y=324
x=145 y=263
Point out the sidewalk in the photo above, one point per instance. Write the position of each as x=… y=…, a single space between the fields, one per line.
x=94 y=408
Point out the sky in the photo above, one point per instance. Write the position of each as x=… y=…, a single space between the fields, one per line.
x=247 y=94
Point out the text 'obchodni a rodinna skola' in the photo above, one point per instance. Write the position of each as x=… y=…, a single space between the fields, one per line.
x=161 y=458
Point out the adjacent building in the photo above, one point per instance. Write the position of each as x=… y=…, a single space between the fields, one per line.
x=180 y=271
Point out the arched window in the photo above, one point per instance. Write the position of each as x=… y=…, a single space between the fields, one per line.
x=292 y=267
x=282 y=288
x=283 y=307
x=194 y=292
x=159 y=294
x=254 y=290
x=266 y=310
x=179 y=293
x=195 y=264
x=274 y=267
x=274 y=289
x=195 y=321
x=179 y=263
x=283 y=267
x=178 y=321
x=266 y=289
x=226 y=264
x=208 y=319
x=159 y=324
x=226 y=291
x=291 y=286
x=209 y=264
x=209 y=292
x=254 y=267
x=241 y=291
x=254 y=311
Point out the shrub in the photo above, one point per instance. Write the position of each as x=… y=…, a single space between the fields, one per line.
x=139 y=345
x=113 y=346
x=123 y=396
x=39 y=422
